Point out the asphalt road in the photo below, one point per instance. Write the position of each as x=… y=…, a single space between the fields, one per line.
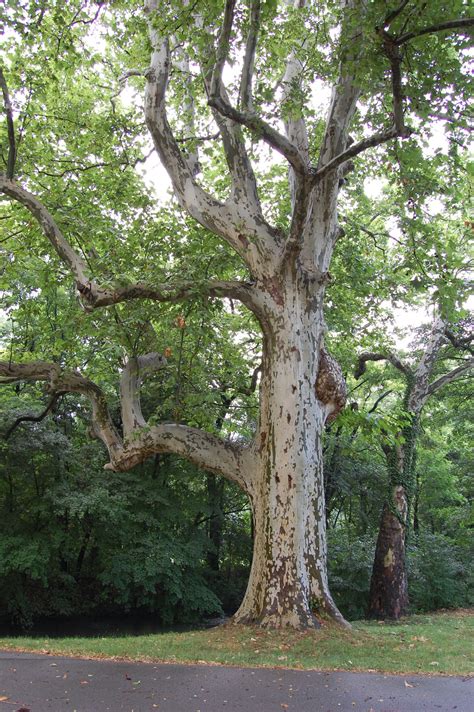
x=40 y=683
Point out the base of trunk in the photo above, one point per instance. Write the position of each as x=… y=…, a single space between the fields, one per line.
x=297 y=618
x=269 y=620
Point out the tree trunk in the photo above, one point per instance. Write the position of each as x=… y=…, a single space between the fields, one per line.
x=288 y=578
x=388 y=596
x=215 y=499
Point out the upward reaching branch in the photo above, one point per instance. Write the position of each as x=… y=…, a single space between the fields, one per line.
x=246 y=98
x=258 y=126
x=436 y=339
x=227 y=220
x=10 y=126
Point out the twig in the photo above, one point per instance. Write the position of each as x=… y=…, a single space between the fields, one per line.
x=33 y=418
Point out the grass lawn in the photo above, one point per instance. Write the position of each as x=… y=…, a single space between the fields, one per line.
x=440 y=643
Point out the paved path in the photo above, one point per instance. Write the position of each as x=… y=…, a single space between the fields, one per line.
x=40 y=683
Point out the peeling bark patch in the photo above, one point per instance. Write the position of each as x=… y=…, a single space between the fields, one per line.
x=297 y=352
x=263 y=438
x=388 y=559
x=288 y=418
x=290 y=481
x=274 y=289
x=243 y=240
x=330 y=385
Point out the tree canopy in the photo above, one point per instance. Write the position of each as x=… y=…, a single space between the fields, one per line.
x=206 y=324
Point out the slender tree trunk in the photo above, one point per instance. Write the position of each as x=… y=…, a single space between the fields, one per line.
x=388 y=596
x=215 y=497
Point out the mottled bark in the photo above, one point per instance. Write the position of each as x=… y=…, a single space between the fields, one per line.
x=301 y=387
x=388 y=597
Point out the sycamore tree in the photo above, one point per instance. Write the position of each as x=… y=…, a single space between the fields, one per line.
x=311 y=84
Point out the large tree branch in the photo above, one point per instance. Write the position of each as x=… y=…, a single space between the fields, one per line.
x=390 y=357
x=10 y=127
x=262 y=130
x=354 y=150
x=449 y=377
x=345 y=96
x=424 y=369
x=207 y=451
x=171 y=293
x=345 y=93
x=301 y=185
x=49 y=226
x=230 y=459
x=134 y=371
x=457 y=24
x=259 y=127
x=93 y=295
x=244 y=184
x=246 y=94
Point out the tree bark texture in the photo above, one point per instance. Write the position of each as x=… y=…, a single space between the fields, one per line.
x=388 y=597
x=301 y=387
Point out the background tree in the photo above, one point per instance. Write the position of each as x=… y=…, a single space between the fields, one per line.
x=286 y=264
x=389 y=585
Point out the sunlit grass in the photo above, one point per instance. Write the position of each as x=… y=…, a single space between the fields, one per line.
x=435 y=644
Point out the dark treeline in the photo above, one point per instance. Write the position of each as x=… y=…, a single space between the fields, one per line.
x=166 y=540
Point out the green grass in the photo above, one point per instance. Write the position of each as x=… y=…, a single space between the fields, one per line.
x=440 y=643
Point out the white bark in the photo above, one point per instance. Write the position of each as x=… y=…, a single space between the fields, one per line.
x=289 y=574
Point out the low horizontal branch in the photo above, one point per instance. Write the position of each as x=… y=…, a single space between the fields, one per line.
x=96 y=297
x=361 y=366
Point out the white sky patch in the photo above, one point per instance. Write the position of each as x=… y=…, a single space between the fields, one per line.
x=406 y=320
x=374 y=187
x=437 y=142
